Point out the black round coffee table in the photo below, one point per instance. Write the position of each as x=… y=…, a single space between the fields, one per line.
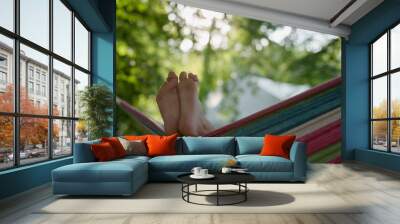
x=238 y=179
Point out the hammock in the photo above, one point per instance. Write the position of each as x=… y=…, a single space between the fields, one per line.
x=315 y=102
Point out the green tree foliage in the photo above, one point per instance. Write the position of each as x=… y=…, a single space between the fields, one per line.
x=149 y=36
x=143 y=54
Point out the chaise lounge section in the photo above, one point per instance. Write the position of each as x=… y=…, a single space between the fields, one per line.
x=125 y=176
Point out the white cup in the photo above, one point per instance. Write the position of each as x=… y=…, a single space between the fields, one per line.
x=203 y=172
x=196 y=171
x=226 y=170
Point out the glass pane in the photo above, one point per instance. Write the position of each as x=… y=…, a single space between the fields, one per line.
x=7 y=14
x=62 y=29
x=81 y=81
x=81 y=131
x=379 y=135
x=35 y=21
x=33 y=139
x=62 y=138
x=395 y=136
x=62 y=89
x=6 y=142
x=34 y=97
x=395 y=94
x=81 y=45
x=379 y=56
x=379 y=97
x=6 y=74
x=395 y=47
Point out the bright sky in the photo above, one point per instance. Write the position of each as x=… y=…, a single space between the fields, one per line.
x=35 y=27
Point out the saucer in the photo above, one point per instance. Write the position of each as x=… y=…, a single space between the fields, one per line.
x=208 y=176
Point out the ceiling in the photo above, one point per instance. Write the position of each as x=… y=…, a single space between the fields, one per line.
x=326 y=16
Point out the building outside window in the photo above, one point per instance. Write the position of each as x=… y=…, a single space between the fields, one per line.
x=385 y=91
x=43 y=90
x=60 y=125
x=30 y=87
x=30 y=72
x=3 y=72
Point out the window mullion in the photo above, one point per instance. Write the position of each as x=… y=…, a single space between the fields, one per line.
x=73 y=83
x=16 y=84
x=50 y=81
x=389 y=101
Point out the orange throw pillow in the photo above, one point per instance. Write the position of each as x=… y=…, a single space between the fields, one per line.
x=116 y=145
x=161 y=145
x=103 y=152
x=136 y=137
x=275 y=145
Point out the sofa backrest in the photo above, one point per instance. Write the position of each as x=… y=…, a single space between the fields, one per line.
x=249 y=145
x=206 y=145
x=83 y=153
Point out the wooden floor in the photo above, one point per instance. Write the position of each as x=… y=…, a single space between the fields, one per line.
x=377 y=188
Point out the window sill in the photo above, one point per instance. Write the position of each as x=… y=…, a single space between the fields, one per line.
x=30 y=166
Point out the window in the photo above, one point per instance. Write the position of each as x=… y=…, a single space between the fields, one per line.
x=38 y=73
x=38 y=89
x=3 y=72
x=385 y=94
x=44 y=91
x=3 y=78
x=47 y=74
x=30 y=87
x=6 y=71
x=34 y=21
x=30 y=72
x=81 y=45
x=7 y=14
x=3 y=61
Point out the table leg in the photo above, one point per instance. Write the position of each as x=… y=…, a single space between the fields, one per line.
x=245 y=193
x=195 y=188
x=217 y=194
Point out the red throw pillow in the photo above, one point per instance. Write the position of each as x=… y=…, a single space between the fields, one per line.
x=277 y=145
x=103 y=152
x=161 y=145
x=116 y=145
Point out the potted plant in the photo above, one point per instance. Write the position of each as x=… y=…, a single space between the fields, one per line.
x=96 y=103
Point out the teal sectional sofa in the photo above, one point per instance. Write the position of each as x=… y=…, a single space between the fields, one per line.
x=125 y=176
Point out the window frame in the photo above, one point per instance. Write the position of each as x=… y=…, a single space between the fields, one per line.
x=16 y=115
x=388 y=74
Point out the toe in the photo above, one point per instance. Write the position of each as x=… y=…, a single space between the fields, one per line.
x=193 y=77
x=182 y=76
x=171 y=75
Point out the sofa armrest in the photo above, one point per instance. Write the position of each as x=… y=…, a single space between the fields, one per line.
x=83 y=152
x=299 y=158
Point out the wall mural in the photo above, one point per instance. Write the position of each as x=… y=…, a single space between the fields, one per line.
x=204 y=73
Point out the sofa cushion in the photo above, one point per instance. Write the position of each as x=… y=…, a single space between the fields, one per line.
x=249 y=145
x=103 y=152
x=207 y=145
x=277 y=145
x=161 y=145
x=185 y=163
x=257 y=163
x=112 y=171
x=116 y=145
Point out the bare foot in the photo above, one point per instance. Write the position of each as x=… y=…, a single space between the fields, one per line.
x=192 y=121
x=168 y=103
